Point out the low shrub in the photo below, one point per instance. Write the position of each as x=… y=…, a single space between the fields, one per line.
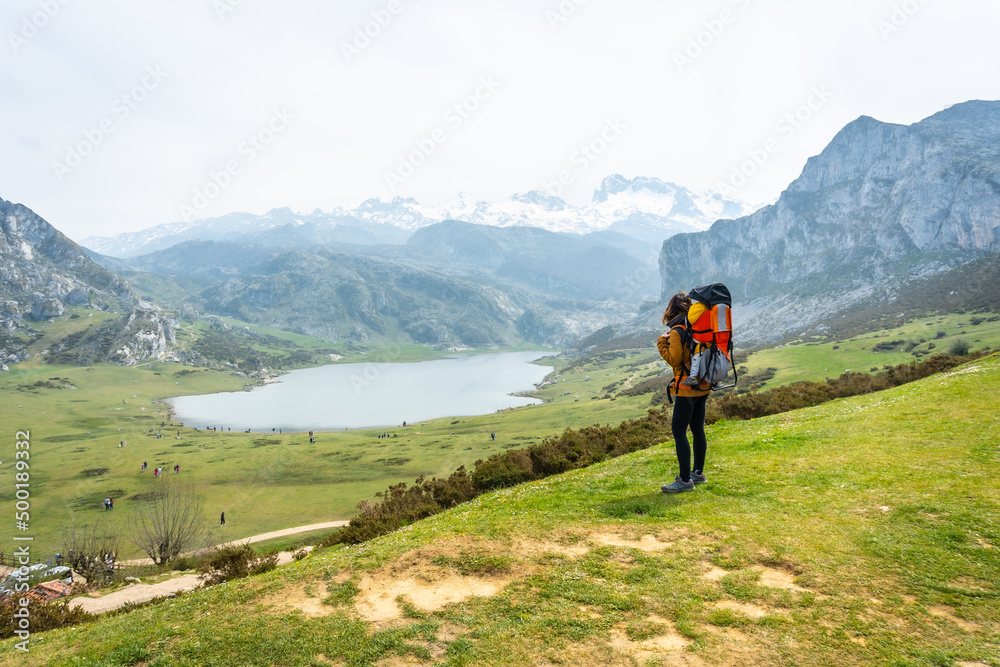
x=44 y=615
x=959 y=347
x=235 y=562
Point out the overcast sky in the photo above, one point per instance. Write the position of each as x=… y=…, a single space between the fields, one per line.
x=116 y=115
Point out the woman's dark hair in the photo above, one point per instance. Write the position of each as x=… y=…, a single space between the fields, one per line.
x=679 y=304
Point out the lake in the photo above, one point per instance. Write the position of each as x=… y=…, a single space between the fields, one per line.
x=371 y=395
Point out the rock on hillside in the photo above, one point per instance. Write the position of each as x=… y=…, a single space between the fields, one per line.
x=145 y=333
x=41 y=270
x=881 y=205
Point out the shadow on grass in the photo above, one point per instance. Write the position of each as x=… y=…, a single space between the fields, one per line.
x=653 y=505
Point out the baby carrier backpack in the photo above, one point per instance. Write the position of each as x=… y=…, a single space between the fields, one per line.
x=711 y=334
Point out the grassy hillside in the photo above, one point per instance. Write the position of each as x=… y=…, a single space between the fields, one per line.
x=865 y=531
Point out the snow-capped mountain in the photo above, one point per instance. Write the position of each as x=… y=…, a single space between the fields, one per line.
x=647 y=209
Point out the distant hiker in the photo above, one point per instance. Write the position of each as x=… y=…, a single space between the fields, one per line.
x=111 y=503
x=222 y=519
x=493 y=435
x=689 y=408
x=107 y=504
x=404 y=423
x=177 y=469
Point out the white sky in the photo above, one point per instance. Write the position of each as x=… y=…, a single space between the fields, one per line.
x=227 y=66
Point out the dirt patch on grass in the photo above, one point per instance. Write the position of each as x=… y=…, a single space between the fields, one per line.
x=458 y=568
x=941 y=611
x=655 y=647
x=320 y=657
x=379 y=596
x=714 y=574
x=773 y=578
x=429 y=578
x=648 y=543
x=297 y=599
x=747 y=609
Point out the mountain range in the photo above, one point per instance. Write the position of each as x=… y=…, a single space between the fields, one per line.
x=882 y=205
x=645 y=209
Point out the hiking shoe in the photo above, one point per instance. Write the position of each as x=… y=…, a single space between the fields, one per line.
x=677 y=486
x=698 y=478
x=691 y=381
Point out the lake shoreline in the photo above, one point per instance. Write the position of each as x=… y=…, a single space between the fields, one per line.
x=361 y=395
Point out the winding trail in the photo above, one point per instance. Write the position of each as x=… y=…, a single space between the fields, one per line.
x=287 y=531
x=145 y=592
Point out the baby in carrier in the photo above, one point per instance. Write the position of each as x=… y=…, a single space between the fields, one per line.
x=695 y=312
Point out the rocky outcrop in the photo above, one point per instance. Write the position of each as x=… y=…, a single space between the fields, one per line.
x=145 y=333
x=42 y=273
x=39 y=264
x=881 y=205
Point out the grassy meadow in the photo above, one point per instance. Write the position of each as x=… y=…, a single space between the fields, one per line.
x=78 y=416
x=812 y=360
x=865 y=531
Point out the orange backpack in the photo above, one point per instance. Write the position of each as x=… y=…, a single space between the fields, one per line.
x=711 y=334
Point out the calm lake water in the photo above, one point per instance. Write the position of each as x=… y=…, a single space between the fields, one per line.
x=371 y=395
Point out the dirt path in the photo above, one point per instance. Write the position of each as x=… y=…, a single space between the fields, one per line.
x=257 y=538
x=136 y=593
x=287 y=531
x=146 y=592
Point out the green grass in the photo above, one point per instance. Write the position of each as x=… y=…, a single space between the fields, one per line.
x=865 y=531
x=809 y=360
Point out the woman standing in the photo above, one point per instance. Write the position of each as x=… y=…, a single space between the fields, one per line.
x=689 y=403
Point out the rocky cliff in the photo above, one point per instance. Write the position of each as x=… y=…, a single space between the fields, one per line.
x=42 y=273
x=881 y=205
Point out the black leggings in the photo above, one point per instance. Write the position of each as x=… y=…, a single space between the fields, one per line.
x=689 y=412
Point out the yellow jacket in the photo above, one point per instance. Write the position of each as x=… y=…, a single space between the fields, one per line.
x=675 y=353
x=696 y=310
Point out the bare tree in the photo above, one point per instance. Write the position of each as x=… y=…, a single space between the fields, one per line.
x=169 y=522
x=92 y=551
